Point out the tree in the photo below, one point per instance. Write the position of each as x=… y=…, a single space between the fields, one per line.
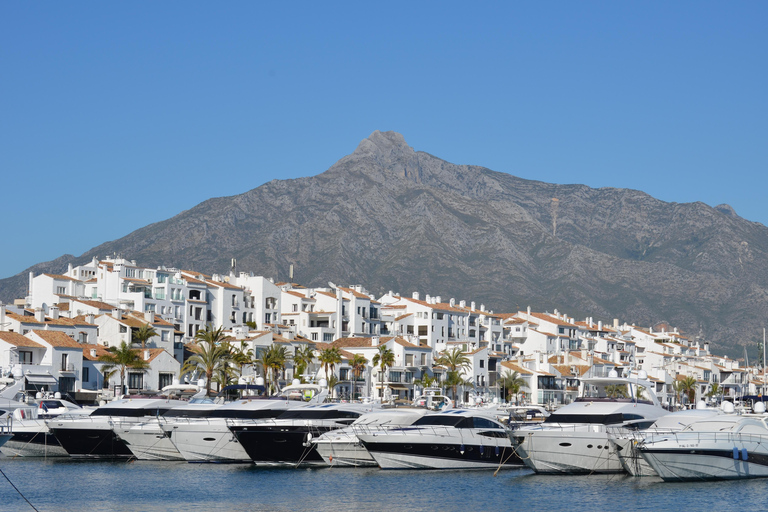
x=512 y=384
x=120 y=359
x=272 y=360
x=616 y=390
x=426 y=381
x=358 y=363
x=213 y=355
x=333 y=381
x=241 y=355
x=384 y=358
x=714 y=390
x=329 y=358
x=455 y=362
x=302 y=359
x=688 y=386
x=143 y=334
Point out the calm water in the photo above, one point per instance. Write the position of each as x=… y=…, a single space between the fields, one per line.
x=70 y=485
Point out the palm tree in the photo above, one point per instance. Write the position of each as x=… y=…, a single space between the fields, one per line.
x=384 y=358
x=358 y=363
x=213 y=354
x=688 y=386
x=333 y=381
x=302 y=359
x=426 y=381
x=143 y=334
x=329 y=358
x=456 y=362
x=714 y=390
x=242 y=355
x=272 y=360
x=512 y=383
x=616 y=390
x=121 y=359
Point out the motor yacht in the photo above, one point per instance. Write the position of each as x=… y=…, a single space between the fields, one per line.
x=207 y=437
x=93 y=436
x=342 y=447
x=454 y=439
x=31 y=436
x=574 y=439
x=286 y=440
x=721 y=447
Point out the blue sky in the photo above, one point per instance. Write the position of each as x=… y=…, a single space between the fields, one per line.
x=114 y=115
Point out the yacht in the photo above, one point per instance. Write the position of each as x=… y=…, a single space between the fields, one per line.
x=721 y=447
x=343 y=448
x=286 y=440
x=454 y=439
x=626 y=441
x=574 y=439
x=93 y=436
x=207 y=437
x=31 y=436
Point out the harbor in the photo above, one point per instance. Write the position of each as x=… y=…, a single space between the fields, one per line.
x=69 y=485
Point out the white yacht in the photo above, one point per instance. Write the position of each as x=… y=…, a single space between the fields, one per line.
x=343 y=448
x=207 y=438
x=286 y=440
x=574 y=438
x=454 y=439
x=626 y=441
x=721 y=447
x=31 y=436
x=92 y=435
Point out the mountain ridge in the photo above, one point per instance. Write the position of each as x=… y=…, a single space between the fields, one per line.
x=393 y=218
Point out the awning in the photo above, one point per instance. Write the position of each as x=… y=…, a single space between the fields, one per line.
x=397 y=386
x=41 y=379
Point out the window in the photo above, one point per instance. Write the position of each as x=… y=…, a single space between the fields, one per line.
x=60 y=290
x=294 y=307
x=136 y=380
x=150 y=308
x=64 y=362
x=482 y=363
x=86 y=374
x=123 y=329
x=25 y=357
x=164 y=336
x=314 y=336
x=165 y=379
x=161 y=278
x=327 y=337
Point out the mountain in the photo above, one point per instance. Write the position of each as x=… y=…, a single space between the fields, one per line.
x=392 y=218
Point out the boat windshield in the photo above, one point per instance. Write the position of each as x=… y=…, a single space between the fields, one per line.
x=317 y=414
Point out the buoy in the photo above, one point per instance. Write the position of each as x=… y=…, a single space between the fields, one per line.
x=461 y=449
x=497 y=451
x=743 y=454
x=735 y=453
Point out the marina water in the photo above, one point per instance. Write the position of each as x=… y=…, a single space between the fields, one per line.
x=69 y=485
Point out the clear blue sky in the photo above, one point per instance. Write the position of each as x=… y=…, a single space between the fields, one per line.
x=114 y=115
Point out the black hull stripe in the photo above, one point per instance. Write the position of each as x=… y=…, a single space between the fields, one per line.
x=472 y=453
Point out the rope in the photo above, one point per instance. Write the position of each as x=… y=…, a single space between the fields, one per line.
x=18 y=491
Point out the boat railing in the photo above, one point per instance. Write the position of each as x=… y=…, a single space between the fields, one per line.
x=6 y=425
x=690 y=437
x=427 y=430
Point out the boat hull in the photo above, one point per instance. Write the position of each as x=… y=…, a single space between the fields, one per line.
x=148 y=442
x=91 y=442
x=568 y=451
x=280 y=445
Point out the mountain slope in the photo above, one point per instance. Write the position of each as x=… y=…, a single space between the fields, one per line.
x=392 y=218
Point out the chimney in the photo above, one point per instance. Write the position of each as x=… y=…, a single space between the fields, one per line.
x=462 y=304
x=2 y=316
x=482 y=307
x=54 y=311
x=599 y=325
x=90 y=318
x=93 y=352
x=438 y=300
x=529 y=310
x=39 y=315
x=415 y=295
x=472 y=305
x=428 y=299
x=149 y=316
x=116 y=314
x=146 y=354
x=374 y=341
x=452 y=302
x=556 y=313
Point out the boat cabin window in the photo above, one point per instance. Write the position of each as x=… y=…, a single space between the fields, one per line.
x=484 y=423
x=130 y=412
x=252 y=414
x=596 y=419
x=445 y=421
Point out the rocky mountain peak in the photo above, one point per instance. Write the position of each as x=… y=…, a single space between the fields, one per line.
x=387 y=150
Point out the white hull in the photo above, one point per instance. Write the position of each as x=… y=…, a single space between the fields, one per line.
x=31 y=438
x=630 y=457
x=147 y=441
x=206 y=441
x=577 y=450
x=707 y=456
x=343 y=449
x=402 y=461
